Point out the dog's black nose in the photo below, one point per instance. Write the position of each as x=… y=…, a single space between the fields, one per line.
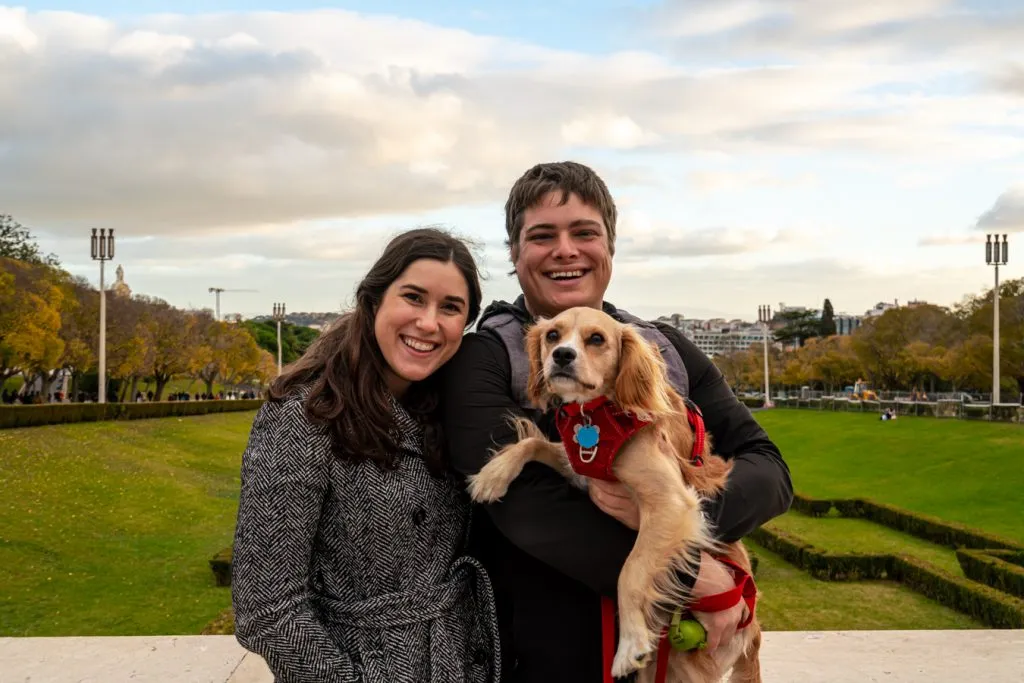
x=563 y=355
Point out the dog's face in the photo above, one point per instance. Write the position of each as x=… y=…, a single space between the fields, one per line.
x=577 y=353
x=584 y=353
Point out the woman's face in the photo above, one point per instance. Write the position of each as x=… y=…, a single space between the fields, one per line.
x=420 y=321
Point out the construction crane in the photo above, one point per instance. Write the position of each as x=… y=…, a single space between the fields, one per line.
x=218 y=290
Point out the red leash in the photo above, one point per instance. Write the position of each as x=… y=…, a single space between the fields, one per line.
x=608 y=644
x=744 y=588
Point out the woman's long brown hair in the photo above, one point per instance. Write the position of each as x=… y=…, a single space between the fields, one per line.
x=345 y=368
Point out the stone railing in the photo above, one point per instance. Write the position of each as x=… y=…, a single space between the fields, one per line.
x=786 y=656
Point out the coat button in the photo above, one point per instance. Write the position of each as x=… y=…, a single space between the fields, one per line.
x=479 y=657
x=418 y=516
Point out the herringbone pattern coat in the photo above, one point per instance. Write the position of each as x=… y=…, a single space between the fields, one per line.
x=344 y=573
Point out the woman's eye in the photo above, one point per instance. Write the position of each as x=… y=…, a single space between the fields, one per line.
x=552 y=336
x=415 y=298
x=596 y=339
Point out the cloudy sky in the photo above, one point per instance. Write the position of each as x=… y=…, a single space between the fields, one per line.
x=760 y=151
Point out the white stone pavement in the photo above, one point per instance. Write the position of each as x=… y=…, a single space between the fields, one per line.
x=983 y=656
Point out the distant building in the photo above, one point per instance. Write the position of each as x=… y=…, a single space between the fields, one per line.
x=717 y=336
x=880 y=308
x=846 y=324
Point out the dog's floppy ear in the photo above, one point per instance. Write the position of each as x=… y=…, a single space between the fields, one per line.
x=536 y=385
x=641 y=386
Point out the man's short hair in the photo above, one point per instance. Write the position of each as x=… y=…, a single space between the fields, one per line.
x=569 y=177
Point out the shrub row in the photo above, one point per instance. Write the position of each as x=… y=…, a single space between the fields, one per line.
x=59 y=413
x=922 y=526
x=1002 y=569
x=810 y=506
x=984 y=603
x=221 y=566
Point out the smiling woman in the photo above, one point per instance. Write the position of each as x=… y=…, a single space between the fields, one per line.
x=349 y=549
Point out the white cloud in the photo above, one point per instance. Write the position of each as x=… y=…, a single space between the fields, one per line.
x=731 y=181
x=947 y=240
x=1007 y=214
x=177 y=124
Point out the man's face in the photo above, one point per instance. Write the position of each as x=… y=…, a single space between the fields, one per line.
x=562 y=258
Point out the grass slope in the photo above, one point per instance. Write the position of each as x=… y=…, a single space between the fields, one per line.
x=105 y=528
x=960 y=471
x=794 y=601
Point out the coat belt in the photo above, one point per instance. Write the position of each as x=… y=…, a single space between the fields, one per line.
x=397 y=609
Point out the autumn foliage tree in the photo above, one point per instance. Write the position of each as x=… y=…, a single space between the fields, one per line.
x=919 y=346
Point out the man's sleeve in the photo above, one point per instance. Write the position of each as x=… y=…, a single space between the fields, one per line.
x=541 y=513
x=759 y=486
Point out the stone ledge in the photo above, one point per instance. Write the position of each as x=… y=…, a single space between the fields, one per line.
x=982 y=656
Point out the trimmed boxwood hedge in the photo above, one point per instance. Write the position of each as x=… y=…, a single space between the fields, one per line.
x=221 y=566
x=922 y=526
x=1002 y=569
x=59 y=413
x=984 y=603
x=810 y=506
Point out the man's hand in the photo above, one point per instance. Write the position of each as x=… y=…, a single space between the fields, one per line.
x=615 y=499
x=714 y=578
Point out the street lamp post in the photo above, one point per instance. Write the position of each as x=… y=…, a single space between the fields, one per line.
x=764 y=316
x=996 y=254
x=102 y=250
x=278 y=316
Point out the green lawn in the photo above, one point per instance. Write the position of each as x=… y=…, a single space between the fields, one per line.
x=105 y=527
x=959 y=471
x=792 y=600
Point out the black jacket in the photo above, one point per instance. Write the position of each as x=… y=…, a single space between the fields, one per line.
x=550 y=552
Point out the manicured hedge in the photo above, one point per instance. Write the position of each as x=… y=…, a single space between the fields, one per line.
x=922 y=526
x=984 y=603
x=221 y=566
x=810 y=506
x=1001 y=569
x=59 y=413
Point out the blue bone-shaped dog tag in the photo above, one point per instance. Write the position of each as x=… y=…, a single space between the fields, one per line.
x=587 y=436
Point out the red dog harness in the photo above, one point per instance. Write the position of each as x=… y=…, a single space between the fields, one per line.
x=593 y=433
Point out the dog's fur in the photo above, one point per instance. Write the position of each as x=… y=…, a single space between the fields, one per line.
x=614 y=360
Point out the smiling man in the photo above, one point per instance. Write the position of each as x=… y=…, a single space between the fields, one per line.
x=552 y=550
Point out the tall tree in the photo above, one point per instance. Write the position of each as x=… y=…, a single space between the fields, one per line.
x=797 y=327
x=16 y=243
x=828 y=319
x=31 y=300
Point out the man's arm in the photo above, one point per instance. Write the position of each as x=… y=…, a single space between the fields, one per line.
x=541 y=513
x=759 y=486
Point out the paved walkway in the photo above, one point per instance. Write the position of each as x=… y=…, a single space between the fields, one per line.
x=787 y=657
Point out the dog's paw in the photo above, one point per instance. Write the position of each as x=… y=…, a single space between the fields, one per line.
x=633 y=654
x=493 y=479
